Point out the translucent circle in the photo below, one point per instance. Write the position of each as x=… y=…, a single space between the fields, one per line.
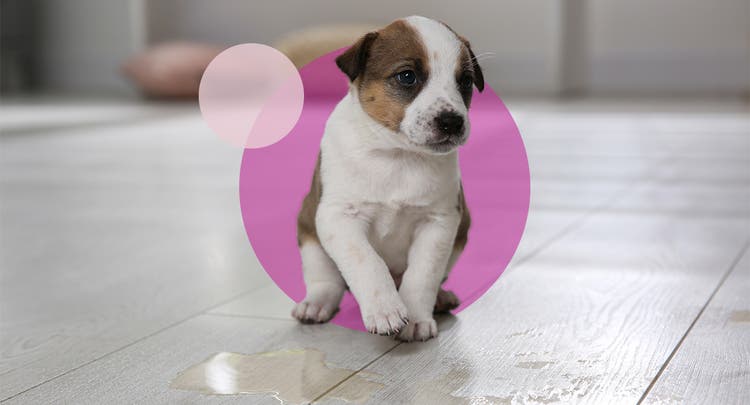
x=495 y=177
x=251 y=95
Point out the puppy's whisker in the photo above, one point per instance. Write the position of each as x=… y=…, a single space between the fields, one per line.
x=485 y=55
x=480 y=57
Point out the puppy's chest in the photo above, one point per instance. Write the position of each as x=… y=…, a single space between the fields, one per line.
x=398 y=187
x=392 y=230
x=388 y=221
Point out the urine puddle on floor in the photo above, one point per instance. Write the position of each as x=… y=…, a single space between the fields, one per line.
x=292 y=376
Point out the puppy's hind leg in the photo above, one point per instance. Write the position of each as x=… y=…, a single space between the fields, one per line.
x=324 y=284
x=446 y=300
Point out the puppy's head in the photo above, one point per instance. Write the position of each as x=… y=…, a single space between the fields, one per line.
x=415 y=77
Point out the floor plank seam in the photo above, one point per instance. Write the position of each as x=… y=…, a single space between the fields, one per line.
x=181 y=321
x=266 y=318
x=724 y=277
x=319 y=397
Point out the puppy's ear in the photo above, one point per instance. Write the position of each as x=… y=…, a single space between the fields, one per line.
x=353 y=60
x=478 y=76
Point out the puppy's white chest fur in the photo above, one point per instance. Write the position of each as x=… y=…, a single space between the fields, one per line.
x=392 y=230
x=393 y=191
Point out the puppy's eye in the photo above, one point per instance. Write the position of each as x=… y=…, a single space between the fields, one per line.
x=465 y=82
x=406 y=78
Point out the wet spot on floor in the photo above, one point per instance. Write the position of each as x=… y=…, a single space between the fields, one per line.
x=440 y=391
x=530 y=354
x=534 y=364
x=739 y=316
x=291 y=376
x=527 y=332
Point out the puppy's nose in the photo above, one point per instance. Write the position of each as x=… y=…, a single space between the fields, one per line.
x=449 y=123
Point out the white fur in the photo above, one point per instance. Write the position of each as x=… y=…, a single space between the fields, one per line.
x=388 y=208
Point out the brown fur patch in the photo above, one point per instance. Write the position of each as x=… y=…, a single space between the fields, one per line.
x=393 y=49
x=306 y=230
x=378 y=105
x=462 y=235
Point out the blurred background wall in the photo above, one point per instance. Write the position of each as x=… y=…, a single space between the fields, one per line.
x=539 y=47
x=70 y=46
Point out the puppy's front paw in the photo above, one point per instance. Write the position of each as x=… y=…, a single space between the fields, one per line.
x=420 y=330
x=387 y=317
x=311 y=312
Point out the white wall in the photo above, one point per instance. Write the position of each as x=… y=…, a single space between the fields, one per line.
x=83 y=42
x=522 y=34
x=669 y=46
x=612 y=47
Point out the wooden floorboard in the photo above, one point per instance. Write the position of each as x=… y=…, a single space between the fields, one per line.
x=123 y=234
x=712 y=365
x=110 y=234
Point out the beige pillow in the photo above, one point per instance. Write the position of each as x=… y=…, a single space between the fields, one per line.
x=304 y=46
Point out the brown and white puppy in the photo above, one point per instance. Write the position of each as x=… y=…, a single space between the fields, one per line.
x=386 y=215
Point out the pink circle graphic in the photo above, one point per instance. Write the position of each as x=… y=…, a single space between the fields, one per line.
x=495 y=176
x=251 y=95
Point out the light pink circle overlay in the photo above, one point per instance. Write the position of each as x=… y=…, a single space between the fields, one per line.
x=495 y=176
x=251 y=95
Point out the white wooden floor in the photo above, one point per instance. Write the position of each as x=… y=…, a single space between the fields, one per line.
x=124 y=262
